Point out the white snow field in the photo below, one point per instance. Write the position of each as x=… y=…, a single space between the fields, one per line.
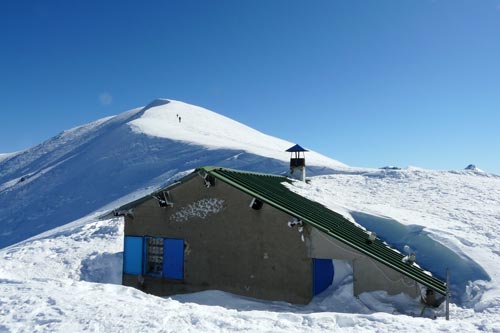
x=65 y=276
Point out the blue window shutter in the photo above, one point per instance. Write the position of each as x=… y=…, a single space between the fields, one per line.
x=322 y=274
x=132 y=255
x=173 y=258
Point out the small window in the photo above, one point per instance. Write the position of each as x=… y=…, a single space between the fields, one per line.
x=209 y=180
x=154 y=256
x=256 y=204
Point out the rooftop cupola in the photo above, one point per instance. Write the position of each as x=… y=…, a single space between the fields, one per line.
x=297 y=162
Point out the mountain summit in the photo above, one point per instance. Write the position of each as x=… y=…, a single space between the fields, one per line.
x=121 y=157
x=473 y=167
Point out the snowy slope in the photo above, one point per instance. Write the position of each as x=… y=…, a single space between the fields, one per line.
x=91 y=166
x=67 y=279
x=6 y=156
x=207 y=128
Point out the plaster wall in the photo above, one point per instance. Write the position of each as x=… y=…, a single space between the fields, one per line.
x=368 y=274
x=227 y=245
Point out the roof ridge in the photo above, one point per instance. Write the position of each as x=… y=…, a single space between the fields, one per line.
x=210 y=168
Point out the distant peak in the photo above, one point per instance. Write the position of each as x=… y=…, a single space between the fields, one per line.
x=390 y=167
x=473 y=167
x=157 y=102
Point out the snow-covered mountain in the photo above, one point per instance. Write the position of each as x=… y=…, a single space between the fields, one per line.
x=472 y=167
x=88 y=167
x=68 y=278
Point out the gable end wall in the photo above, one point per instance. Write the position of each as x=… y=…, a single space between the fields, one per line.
x=228 y=245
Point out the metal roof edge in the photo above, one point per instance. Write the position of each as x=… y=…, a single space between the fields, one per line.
x=211 y=169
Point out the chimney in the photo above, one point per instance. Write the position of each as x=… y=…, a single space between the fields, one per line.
x=297 y=162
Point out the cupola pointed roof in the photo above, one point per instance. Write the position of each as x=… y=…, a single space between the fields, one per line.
x=296 y=148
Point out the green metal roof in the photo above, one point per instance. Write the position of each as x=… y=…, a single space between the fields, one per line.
x=270 y=189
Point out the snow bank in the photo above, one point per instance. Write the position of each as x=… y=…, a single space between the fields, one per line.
x=430 y=253
x=459 y=210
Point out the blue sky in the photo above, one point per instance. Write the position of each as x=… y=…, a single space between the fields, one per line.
x=366 y=82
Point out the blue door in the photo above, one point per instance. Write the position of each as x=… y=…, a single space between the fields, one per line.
x=322 y=274
x=132 y=255
x=173 y=258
